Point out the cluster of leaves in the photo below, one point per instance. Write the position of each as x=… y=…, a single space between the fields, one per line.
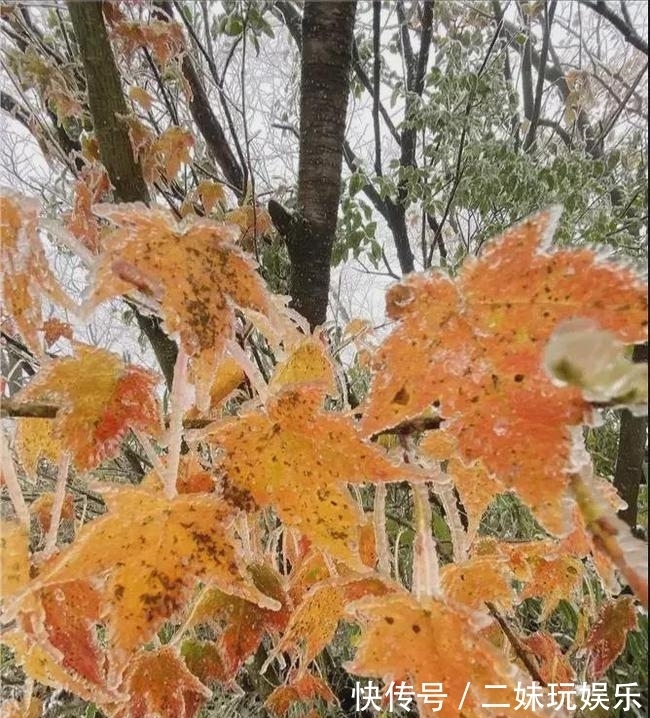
x=262 y=522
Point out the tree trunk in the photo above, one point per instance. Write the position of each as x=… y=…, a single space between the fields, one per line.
x=106 y=103
x=327 y=33
x=631 y=454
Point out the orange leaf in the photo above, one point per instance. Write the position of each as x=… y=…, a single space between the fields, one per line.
x=36 y=439
x=306 y=687
x=14 y=552
x=402 y=639
x=26 y=274
x=253 y=222
x=476 y=581
x=145 y=253
x=54 y=329
x=101 y=399
x=308 y=362
x=167 y=544
x=43 y=664
x=243 y=624
x=606 y=638
x=297 y=458
x=554 y=667
x=203 y=658
x=210 y=193
x=171 y=150
x=159 y=684
x=313 y=624
x=141 y=96
x=472 y=348
x=71 y=611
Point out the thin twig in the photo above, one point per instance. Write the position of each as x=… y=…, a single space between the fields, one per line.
x=521 y=651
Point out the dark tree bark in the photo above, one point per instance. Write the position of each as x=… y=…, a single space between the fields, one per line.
x=327 y=33
x=107 y=103
x=631 y=454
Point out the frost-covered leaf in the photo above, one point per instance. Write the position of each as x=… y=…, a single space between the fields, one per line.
x=405 y=640
x=159 y=684
x=168 y=545
x=297 y=458
x=242 y=624
x=26 y=276
x=14 y=555
x=314 y=622
x=101 y=398
x=71 y=612
x=307 y=687
x=471 y=349
x=606 y=638
x=554 y=666
x=145 y=252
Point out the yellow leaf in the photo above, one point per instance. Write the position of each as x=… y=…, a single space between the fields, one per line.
x=153 y=551
x=210 y=193
x=298 y=458
x=141 y=96
x=100 y=397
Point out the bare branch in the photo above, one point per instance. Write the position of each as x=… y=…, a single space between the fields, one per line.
x=620 y=23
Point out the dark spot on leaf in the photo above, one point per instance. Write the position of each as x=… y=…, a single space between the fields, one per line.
x=519 y=378
x=416 y=628
x=402 y=397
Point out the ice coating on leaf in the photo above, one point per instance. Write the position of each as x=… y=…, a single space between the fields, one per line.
x=580 y=354
x=403 y=639
x=158 y=683
x=306 y=687
x=297 y=458
x=145 y=252
x=314 y=622
x=606 y=638
x=242 y=624
x=307 y=362
x=471 y=351
x=101 y=398
x=168 y=545
x=25 y=272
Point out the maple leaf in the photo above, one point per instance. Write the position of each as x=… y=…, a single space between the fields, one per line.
x=314 y=622
x=554 y=667
x=307 y=362
x=145 y=253
x=141 y=96
x=158 y=683
x=43 y=663
x=204 y=660
x=253 y=221
x=26 y=274
x=71 y=612
x=472 y=349
x=297 y=458
x=606 y=638
x=100 y=397
x=307 y=687
x=54 y=329
x=476 y=581
x=169 y=152
x=168 y=545
x=91 y=186
x=403 y=639
x=163 y=37
x=243 y=624
x=210 y=193
x=14 y=552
